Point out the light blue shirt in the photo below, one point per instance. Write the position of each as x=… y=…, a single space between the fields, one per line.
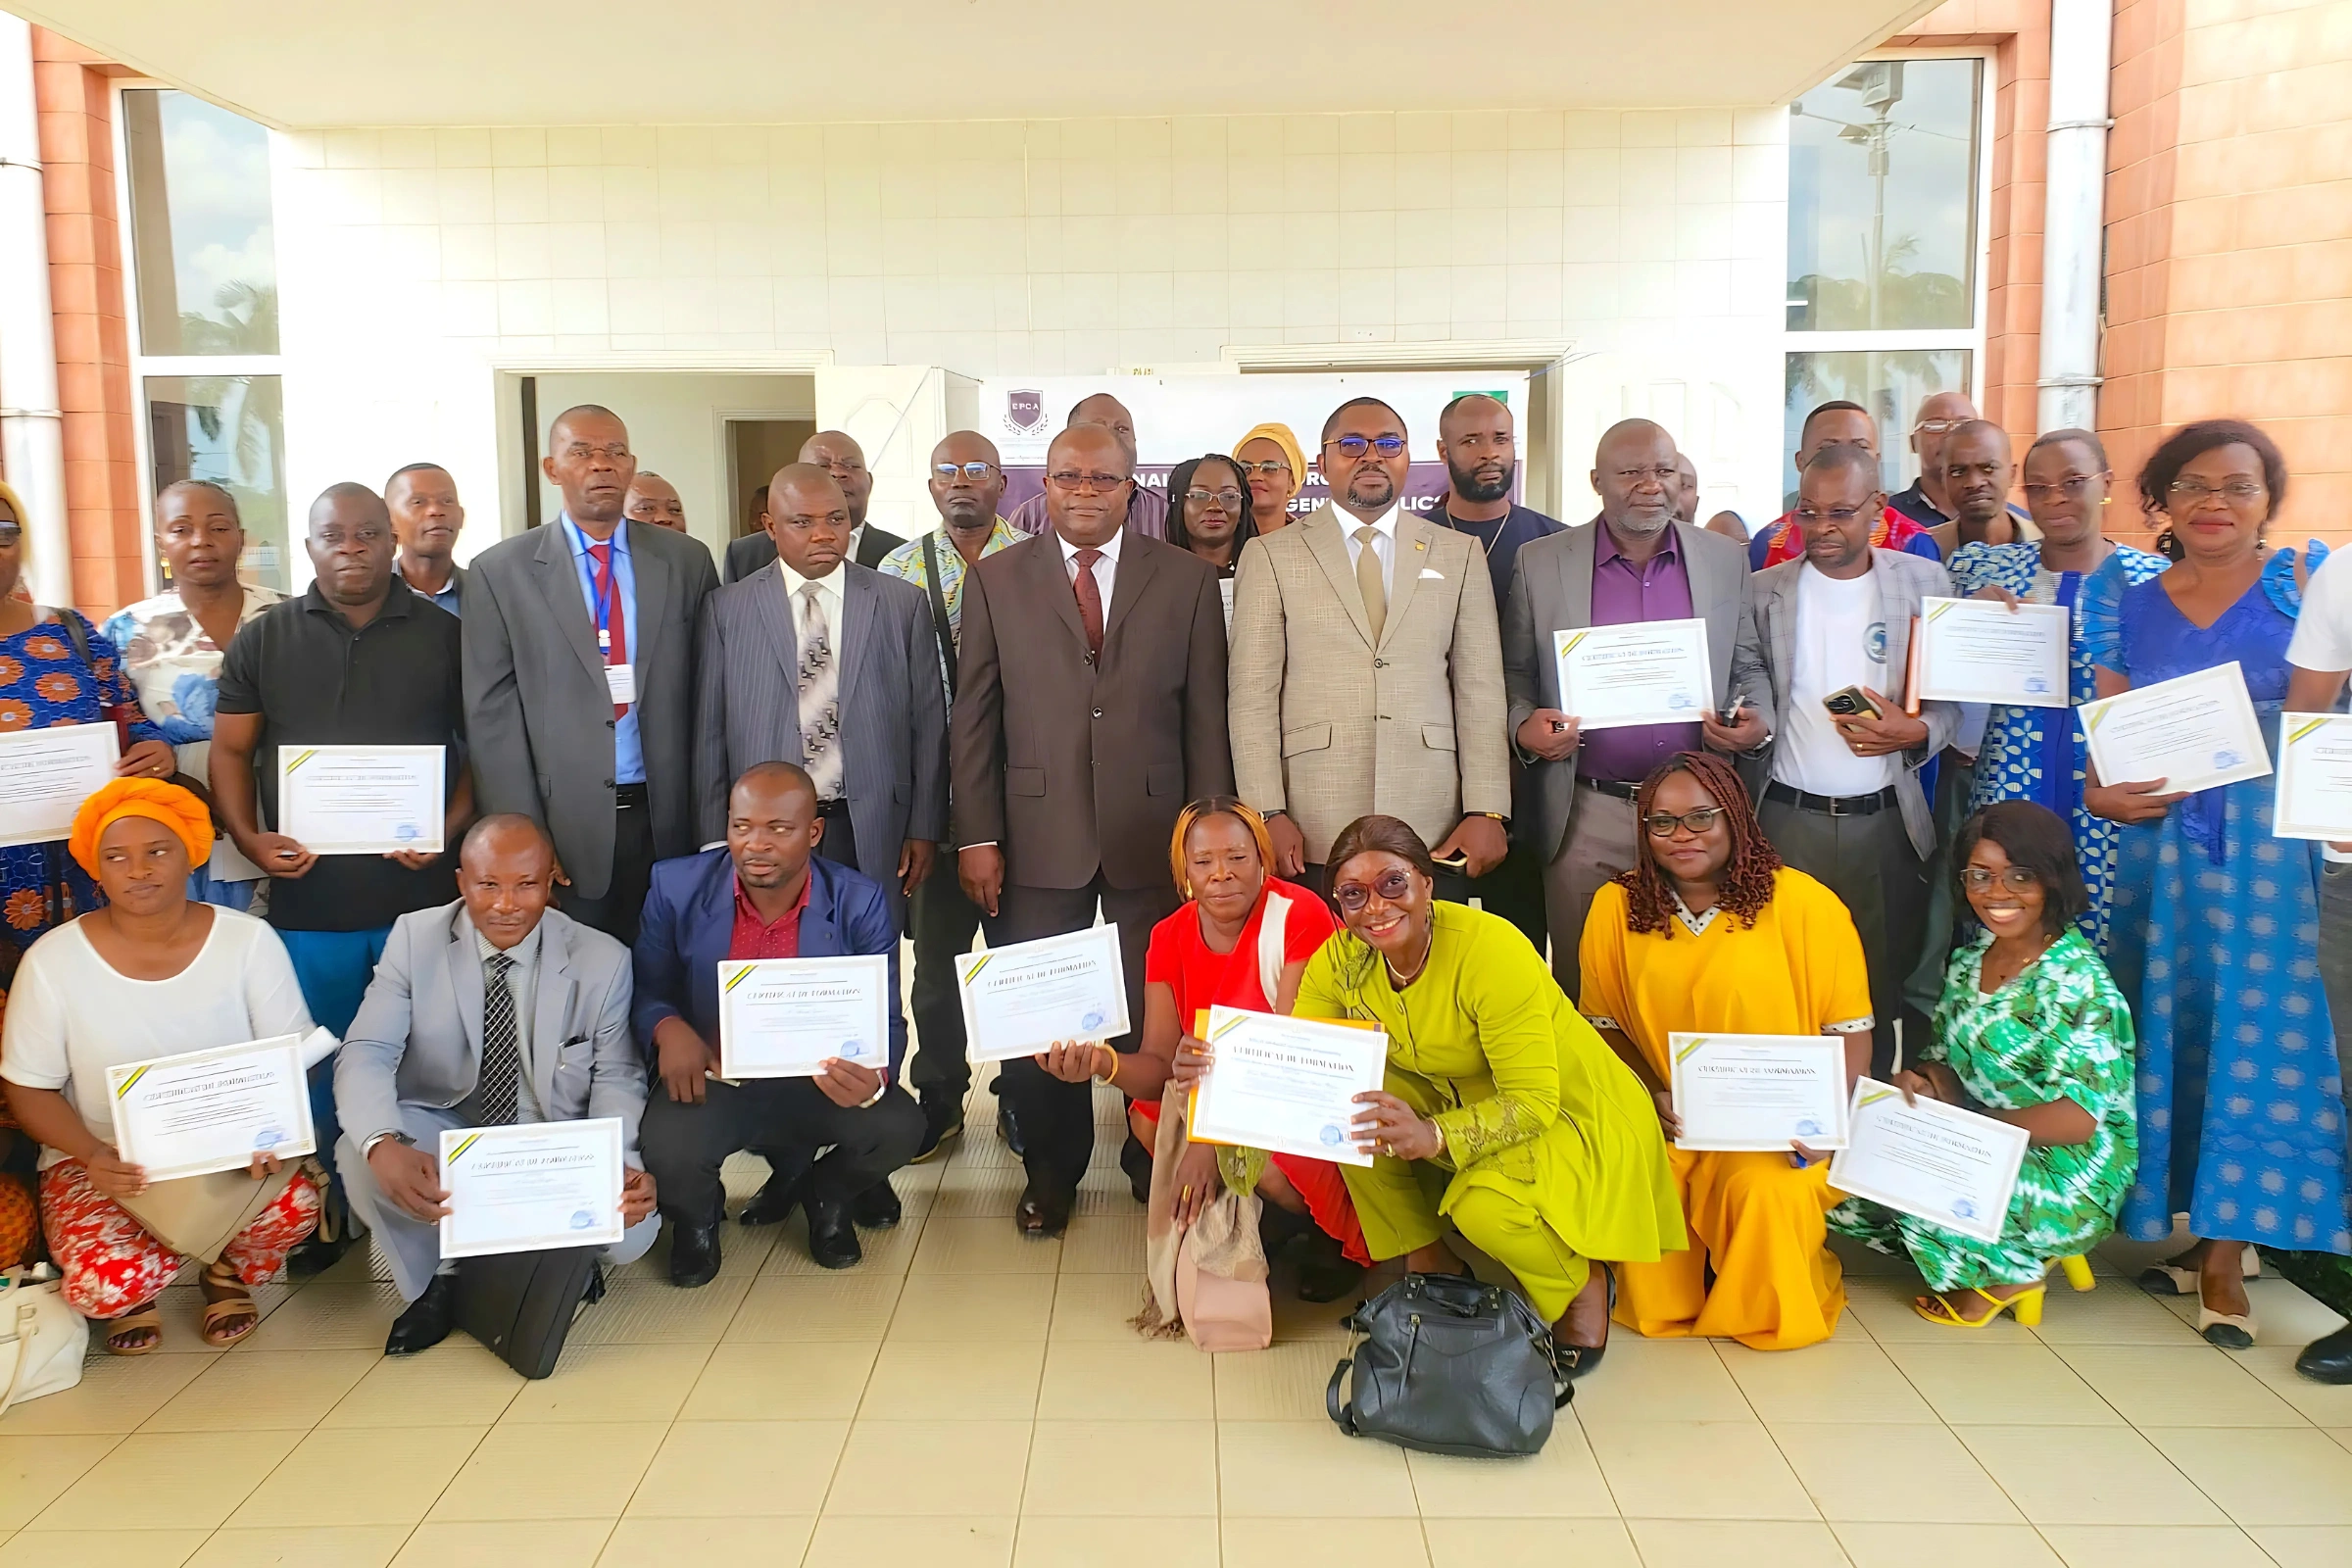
x=628 y=754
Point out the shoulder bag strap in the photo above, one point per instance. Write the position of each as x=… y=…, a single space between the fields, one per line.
x=1270 y=931
x=940 y=622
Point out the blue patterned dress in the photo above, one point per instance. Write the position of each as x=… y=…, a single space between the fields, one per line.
x=2214 y=943
x=2040 y=753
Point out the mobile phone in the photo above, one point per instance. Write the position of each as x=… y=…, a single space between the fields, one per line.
x=1852 y=701
x=1458 y=861
x=1729 y=716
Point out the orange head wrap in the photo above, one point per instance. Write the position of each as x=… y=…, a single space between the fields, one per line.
x=173 y=805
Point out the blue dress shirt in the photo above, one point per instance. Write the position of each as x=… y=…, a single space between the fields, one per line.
x=629 y=753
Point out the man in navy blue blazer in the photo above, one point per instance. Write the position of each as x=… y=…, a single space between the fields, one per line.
x=766 y=896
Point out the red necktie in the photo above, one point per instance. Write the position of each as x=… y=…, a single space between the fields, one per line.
x=1090 y=600
x=608 y=599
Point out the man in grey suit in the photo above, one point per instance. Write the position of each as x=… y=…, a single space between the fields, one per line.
x=1635 y=563
x=818 y=661
x=579 y=676
x=1843 y=804
x=490 y=1011
x=840 y=456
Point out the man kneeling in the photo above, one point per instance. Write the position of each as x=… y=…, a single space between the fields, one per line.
x=766 y=896
x=491 y=1010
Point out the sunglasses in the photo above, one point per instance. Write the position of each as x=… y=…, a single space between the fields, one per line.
x=1390 y=885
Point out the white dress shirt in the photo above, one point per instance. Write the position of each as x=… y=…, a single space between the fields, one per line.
x=1385 y=543
x=1107 y=569
x=828 y=601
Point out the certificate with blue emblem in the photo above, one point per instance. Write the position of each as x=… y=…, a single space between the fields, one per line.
x=2192 y=732
x=207 y=1110
x=786 y=1017
x=1647 y=672
x=1759 y=1093
x=530 y=1187
x=1287 y=1085
x=1982 y=651
x=1933 y=1162
x=1024 y=997
x=361 y=799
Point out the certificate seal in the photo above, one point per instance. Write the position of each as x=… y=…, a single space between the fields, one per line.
x=850 y=1049
x=1331 y=1135
x=582 y=1220
x=1964 y=1208
x=2037 y=686
x=1808 y=1127
x=1679 y=701
x=408 y=832
x=1094 y=1018
x=268 y=1137
x=2226 y=757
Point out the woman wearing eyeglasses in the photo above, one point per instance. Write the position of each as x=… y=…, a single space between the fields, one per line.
x=1208 y=512
x=2215 y=925
x=1503 y=1111
x=1710 y=933
x=1276 y=468
x=2038 y=754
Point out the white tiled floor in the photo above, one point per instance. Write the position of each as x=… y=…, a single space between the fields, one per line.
x=968 y=1398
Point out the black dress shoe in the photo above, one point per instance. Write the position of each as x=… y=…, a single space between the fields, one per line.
x=877 y=1207
x=692 y=1253
x=314 y=1256
x=1043 y=1215
x=832 y=1239
x=1135 y=1160
x=2329 y=1360
x=941 y=1128
x=773 y=1203
x=1006 y=1130
x=427 y=1320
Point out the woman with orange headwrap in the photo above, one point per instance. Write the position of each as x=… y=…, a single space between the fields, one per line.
x=1275 y=467
x=150 y=974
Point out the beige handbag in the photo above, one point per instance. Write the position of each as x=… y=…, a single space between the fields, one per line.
x=42 y=1340
x=198 y=1217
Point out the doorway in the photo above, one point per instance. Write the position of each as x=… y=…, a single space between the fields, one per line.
x=755 y=449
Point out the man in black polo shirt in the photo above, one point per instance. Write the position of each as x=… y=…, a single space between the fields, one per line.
x=360 y=659
x=1479 y=441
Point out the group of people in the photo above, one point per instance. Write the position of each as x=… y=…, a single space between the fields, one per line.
x=1306 y=759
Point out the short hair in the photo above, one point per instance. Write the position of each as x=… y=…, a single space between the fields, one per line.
x=1366 y=401
x=791 y=774
x=1068 y=430
x=1460 y=398
x=217 y=488
x=1839 y=458
x=1380 y=834
x=1180 y=479
x=596 y=408
x=759 y=497
x=414 y=467
x=646 y=474
x=1202 y=810
x=2032 y=835
x=1834 y=406
x=344 y=490
x=2071 y=435
x=503 y=822
x=2193 y=441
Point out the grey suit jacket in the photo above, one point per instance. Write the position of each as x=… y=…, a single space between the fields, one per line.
x=1551 y=590
x=418 y=1037
x=1903 y=581
x=538 y=713
x=894 y=716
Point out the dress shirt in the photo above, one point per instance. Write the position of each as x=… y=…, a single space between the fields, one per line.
x=1386 y=544
x=754 y=938
x=522 y=983
x=1623 y=594
x=629 y=753
x=907 y=561
x=1107 y=569
x=828 y=601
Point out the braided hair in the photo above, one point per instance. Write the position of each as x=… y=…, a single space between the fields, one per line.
x=1748 y=877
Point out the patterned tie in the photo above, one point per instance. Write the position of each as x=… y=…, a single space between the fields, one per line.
x=607 y=595
x=1367 y=580
x=820 y=700
x=501 y=1055
x=1090 y=600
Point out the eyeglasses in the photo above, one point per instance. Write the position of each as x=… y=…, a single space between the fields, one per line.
x=11 y=534
x=1662 y=826
x=1227 y=498
x=2238 y=492
x=1073 y=482
x=2016 y=879
x=1936 y=426
x=974 y=471
x=1269 y=465
x=2071 y=486
x=1390 y=885
x=581 y=452
x=1355 y=446
x=1838 y=514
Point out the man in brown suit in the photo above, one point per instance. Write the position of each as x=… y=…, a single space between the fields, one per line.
x=1090 y=707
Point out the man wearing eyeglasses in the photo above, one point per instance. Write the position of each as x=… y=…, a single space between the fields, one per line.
x=845 y=460
x=1367 y=674
x=1090 y=707
x=1146 y=508
x=1837 y=423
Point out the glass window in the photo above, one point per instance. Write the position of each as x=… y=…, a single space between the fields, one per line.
x=1882 y=198
x=1888 y=382
x=200 y=218
x=229 y=429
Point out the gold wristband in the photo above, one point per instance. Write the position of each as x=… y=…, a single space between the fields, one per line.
x=1112 y=1076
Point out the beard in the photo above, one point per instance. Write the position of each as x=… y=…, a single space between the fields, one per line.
x=1643 y=527
x=1470 y=487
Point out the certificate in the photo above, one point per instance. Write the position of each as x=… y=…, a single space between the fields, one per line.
x=50 y=772
x=1651 y=672
x=361 y=799
x=782 y=1018
x=2315 y=777
x=1759 y=1093
x=525 y=1189
x=1287 y=1085
x=1020 y=999
x=1949 y=1166
x=2190 y=733
x=1978 y=651
x=208 y=1110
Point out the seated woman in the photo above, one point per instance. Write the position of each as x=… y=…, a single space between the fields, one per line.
x=1503 y=1111
x=150 y=974
x=2031 y=1031
x=1711 y=932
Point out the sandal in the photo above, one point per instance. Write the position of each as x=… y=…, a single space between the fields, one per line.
x=2026 y=1304
x=225 y=1310
x=145 y=1320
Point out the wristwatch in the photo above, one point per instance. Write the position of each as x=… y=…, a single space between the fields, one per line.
x=373 y=1139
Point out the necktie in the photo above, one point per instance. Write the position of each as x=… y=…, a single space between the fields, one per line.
x=608 y=596
x=502 y=1054
x=1090 y=600
x=820 y=700
x=1367 y=579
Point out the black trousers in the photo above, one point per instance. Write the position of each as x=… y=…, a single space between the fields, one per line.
x=840 y=844
x=1058 y=1119
x=685 y=1144
x=1514 y=889
x=617 y=913
x=944 y=923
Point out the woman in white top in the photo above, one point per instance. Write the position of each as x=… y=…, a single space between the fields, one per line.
x=150 y=974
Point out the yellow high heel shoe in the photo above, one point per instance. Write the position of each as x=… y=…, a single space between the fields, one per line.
x=2024 y=1305
x=2078 y=1273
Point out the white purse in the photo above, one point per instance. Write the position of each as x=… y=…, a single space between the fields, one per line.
x=42 y=1340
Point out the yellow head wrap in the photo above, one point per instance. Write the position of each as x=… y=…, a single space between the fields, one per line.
x=1280 y=435
x=171 y=805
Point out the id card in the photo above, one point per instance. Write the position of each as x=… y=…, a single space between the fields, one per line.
x=621 y=681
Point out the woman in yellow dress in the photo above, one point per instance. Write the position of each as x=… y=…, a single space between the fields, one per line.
x=1710 y=933
x=1503 y=1113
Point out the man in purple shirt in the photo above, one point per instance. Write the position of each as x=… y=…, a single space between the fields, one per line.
x=1633 y=563
x=1146 y=508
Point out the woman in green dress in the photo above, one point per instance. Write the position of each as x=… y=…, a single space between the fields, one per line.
x=2031 y=1031
x=1503 y=1111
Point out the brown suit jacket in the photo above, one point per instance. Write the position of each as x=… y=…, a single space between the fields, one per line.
x=1070 y=768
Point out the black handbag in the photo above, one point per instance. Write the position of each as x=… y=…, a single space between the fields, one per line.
x=520 y=1304
x=1448 y=1365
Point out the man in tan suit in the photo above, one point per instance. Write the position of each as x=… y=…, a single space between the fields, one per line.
x=1366 y=669
x=1090 y=707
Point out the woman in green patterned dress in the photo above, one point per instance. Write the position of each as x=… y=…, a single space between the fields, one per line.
x=2031 y=1031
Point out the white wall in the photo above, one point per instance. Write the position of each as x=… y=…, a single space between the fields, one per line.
x=413 y=262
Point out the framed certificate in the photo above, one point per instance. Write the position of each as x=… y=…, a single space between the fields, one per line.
x=783 y=1017
x=207 y=1110
x=50 y=772
x=533 y=1187
x=361 y=799
x=1648 y=672
x=1979 y=651
x=1022 y=997
x=1949 y=1166
x=2193 y=732
x=1287 y=1085
x=2315 y=777
x=1759 y=1093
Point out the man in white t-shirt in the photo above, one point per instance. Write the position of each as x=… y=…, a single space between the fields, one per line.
x=2319 y=661
x=1843 y=802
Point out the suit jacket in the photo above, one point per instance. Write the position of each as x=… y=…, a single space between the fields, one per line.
x=539 y=715
x=1328 y=726
x=1073 y=768
x=1552 y=591
x=894 y=716
x=754 y=551
x=689 y=921
x=418 y=1037
x=1903 y=581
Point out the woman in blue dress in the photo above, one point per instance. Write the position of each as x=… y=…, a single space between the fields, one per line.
x=2215 y=925
x=2038 y=754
